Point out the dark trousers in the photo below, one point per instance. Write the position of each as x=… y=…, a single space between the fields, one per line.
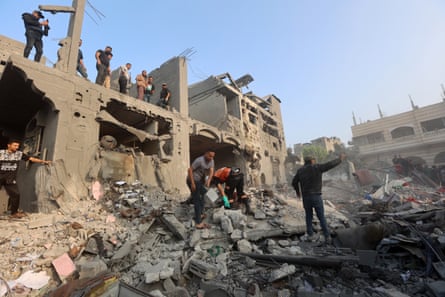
x=235 y=183
x=123 y=84
x=33 y=39
x=14 y=195
x=314 y=201
x=163 y=103
x=102 y=72
x=198 y=199
x=82 y=71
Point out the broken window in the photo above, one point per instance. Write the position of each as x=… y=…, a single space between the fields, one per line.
x=433 y=125
x=134 y=128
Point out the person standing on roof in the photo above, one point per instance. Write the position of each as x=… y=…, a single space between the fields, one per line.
x=34 y=32
x=80 y=64
x=164 y=96
x=307 y=182
x=124 y=78
x=233 y=180
x=103 y=64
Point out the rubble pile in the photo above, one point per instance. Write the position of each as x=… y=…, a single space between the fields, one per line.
x=135 y=238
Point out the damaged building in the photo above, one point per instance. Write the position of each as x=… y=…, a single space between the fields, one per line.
x=96 y=134
x=417 y=135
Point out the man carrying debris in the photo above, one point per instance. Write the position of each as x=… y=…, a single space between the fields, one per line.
x=9 y=163
x=308 y=182
x=233 y=180
x=199 y=177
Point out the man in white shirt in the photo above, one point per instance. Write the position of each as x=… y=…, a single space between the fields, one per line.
x=124 y=78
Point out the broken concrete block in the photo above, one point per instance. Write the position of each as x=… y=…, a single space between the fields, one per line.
x=168 y=285
x=64 y=266
x=202 y=269
x=259 y=215
x=236 y=235
x=195 y=238
x=123 y=251
x=283 y=271
x=174 y=226
x=226 y=225
x=166 y=273
x=218 y=215
x=155 y=273
x=211 y=198
x=244 y=246
x=89 y=268
x=237 y=217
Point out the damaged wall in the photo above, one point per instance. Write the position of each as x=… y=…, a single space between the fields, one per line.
x=93 y=133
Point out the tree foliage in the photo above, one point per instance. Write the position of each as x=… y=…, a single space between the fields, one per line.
x=320 y=153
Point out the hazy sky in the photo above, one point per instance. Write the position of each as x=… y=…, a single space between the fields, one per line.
x=324 y=59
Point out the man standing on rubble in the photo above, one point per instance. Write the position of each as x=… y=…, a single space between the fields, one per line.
x=233 y=179
x=9 y=163
x=199 y=177
x=307 y=182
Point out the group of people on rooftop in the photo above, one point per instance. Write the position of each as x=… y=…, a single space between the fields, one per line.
x=36 y=29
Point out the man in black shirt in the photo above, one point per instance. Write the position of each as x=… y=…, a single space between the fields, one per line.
x=103 y=64
x=9 y=163
x=164 y=97
x=34 y=33
x=307 y=182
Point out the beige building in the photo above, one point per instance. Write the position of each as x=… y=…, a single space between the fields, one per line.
x=418 y=135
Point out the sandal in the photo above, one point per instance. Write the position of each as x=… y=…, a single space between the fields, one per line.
x=202 y=226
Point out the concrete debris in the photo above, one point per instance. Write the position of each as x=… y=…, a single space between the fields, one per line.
x=387 y=246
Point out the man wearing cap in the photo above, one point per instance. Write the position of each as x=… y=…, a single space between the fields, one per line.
x=307 y=182
x=34 y=32
x=233 y=179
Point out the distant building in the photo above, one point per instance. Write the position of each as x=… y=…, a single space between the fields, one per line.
x=328 y=143
x=418 y=135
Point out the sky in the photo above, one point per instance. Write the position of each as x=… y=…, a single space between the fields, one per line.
x=325 y=60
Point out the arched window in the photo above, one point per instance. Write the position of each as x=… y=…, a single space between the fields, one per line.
x=401 y=132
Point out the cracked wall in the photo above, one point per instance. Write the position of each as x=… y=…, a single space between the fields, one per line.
x=92 y=133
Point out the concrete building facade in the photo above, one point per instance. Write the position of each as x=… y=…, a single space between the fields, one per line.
x=418 y=135
x=94 y=134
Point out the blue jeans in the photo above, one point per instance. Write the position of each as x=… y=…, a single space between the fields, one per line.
x=314 y=201
x=198 y=199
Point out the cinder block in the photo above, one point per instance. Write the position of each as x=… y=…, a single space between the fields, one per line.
x=211 y=198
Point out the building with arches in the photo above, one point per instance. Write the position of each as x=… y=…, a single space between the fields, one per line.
x=417 y=135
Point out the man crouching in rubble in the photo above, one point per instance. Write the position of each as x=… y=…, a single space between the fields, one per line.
x=201 y=168
x=233 y=180
x=9 y=163
x=308 y=182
